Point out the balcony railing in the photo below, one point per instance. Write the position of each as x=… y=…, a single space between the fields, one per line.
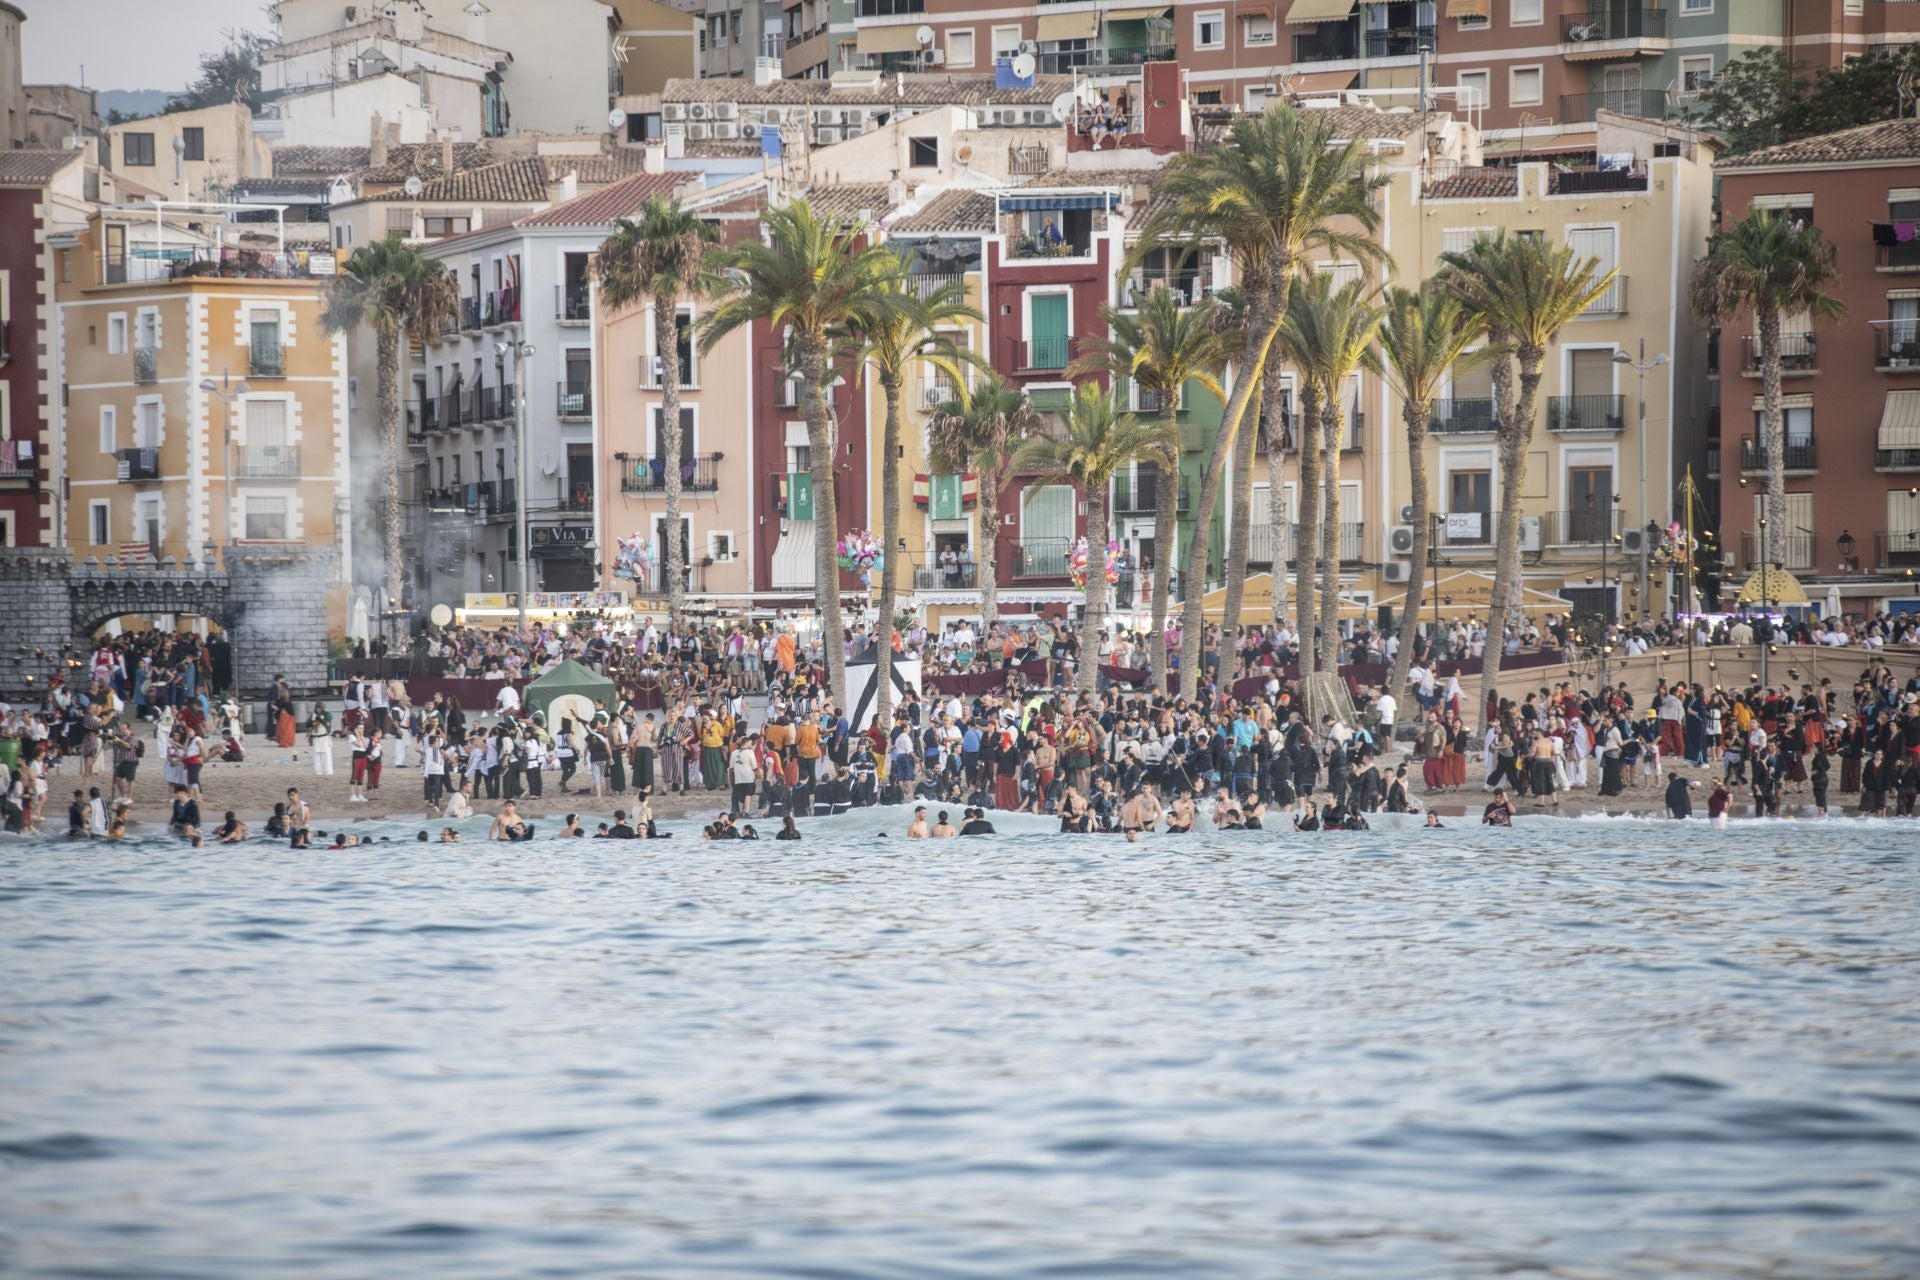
x=698 y=474
x=1569 y=182
x=1898 y=550
x=1798 y=549
x=1329 y=42
x=146 y=365
x=267 y=462
x=1261 y=544
x=890 y=8
x=928 y=283
x=572 y=305
x=416 y=434
x=471 y=312
x=1579 y=108
x=1583 y=528
x=1612 y=23
x=1041 y=558
x=1030 y=247
x=1039 y=354
x=1463 y=417
x=1356 y=431
x=503 y=306
x=428 y=412
x=1611 y=303
x=1897 y=449
x=1352 y=533
x=137 y=464
x=1586 y=413
x=14 y=467
x=266 y=360
x=1457 y=531
x=1140 y=494
x=1190 y=286
x=453 y=410
x=1896 y=345
x=223 y=262
x=573 y=402
x=1399 y=42
x=957 y=577
x=1798 y=456
x=1713 y=457
x=1799 y=354
x=1897 y=257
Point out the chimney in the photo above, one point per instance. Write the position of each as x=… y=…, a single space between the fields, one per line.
x=476 y=21
x=378 y=157
x=569 y=187
x=653 y=158
x=446 y=154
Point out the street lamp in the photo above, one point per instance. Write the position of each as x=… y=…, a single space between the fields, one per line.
x=1846 y=551
x=226 y=398
x=522 y=353
x=1641 y=366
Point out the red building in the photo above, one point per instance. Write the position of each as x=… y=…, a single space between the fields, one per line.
x=28 y=469
x=1851 y=386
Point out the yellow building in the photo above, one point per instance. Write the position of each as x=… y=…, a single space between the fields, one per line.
x=204 y=401
x=189 y=155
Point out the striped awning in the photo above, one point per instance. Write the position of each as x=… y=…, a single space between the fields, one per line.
x=1321 y=81
x=1137 y=15
x=1469 y=8
x=886 y=40
x=1319 y=10
x=1068 y=26
x=1901 y=414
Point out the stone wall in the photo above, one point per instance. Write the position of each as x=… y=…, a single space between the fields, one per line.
x=35 y=594
x=277 y=602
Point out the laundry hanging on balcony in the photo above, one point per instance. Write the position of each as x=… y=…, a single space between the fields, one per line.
x=946 y=497
x=1892 y=233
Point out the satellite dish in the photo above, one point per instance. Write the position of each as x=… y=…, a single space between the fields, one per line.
x=414 y=186
x=549 y=466
x=963 y=153
x=1063 y=107
x=616 y=119
x=441 y=615
x=1023 y=65
x=923 y=34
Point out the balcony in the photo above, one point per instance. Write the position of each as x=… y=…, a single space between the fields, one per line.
x=14 y=467
x=572 y=304
x=147 y=266
x=1327 y=42
x=146 y=366
x=698 y=474
x=483 y=404
x=889 y=8
x=1124 y=58
x=416 y=434
x=958 y=577
x=1896 y=551
x=1799 y=456
x=1190 y=285
x=1897 y=257
x=1607 y=31
x=453 y=410
x=1463 y=418
x=1040 y=355
x=1463 y=531
x=266 y=360
x=6 y=341
x=1713 y=457
x=1352 y=533
x=1588 y=528
x=1611 y=303
x=1897 y=449
x=1798 y=549
x=1578 y=182
x=427 y=414
x=1579 y=108
x=137 y=464
x=1041 y=558
x=573 y=402
x=1261 y=545
x=471 y=311
x=1139 y=494
x=267 y=462
x=1586 y=413
x=1896 y=345
x=1399 y=42
x=927 y=283
x=503 y=307
x=1074 y=243
x=1799 y=355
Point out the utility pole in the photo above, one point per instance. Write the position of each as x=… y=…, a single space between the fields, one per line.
x=1641 y=366
x=522 y=353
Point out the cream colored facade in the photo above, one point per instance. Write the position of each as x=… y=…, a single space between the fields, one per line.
x=216 y=146
x=151 y=457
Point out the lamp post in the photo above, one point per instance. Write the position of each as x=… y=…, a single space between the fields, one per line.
x=1766 y=603
x=1641 y=366
x=219 y=391
x=522 y=353
x=1846 y=551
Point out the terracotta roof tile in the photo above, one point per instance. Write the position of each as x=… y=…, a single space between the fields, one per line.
x=34 y=167
x=1145 y=175
x=845 y=201
x=597 y=169
x=1476 y=184
x=1887 y=140
x=318 y=161
x=950 y=211
x=617 y=200
x=509 y=182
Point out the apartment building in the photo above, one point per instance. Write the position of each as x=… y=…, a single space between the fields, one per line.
x=203 y=402
x=1851 y=386
x=656 y=43
x=189 y=155
x=821 y=35
x=732 y=36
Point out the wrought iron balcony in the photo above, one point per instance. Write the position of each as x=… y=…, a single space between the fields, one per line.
x=1399 y=42
x=572 y=304
x=574 y=402
x=470 y=312
x=1589 y=527
x=267 y=462
x=1797 y=550
x=1896 y=345
x=266 y=360
x=1041 y=558
x=1140 y=494
x=1897 y=449
x=699 y=473
x=146 y=366
x=1463 y=417
x=1798 y=456
x=1579 y=108
x=957 y=577
x=137 y=464
x=1603 y=23
x=1897 y=257
x=1042 y=354
x=1799 y=354
x=1896 y=550
x=1586 y=413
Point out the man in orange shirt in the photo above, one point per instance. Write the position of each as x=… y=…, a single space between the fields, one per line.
x=806 y=737
x=783 y=651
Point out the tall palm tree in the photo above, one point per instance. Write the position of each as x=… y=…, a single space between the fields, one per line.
x=1161 y=347
x=816 y=279
x=1528 y=289
x=1425 y=338
x=1097 y=444
x=662 y=256
x=1328 y=335
x=399 y=291
x=980 y=430
x=1279 y=187
x=1769 y=265
x=902 y=329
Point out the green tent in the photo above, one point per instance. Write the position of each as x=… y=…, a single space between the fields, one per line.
x=573 y=687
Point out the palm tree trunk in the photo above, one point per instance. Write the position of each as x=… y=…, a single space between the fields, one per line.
x=1166 y=518
x=1273 y=408
x=1514 y=439
x=1330 y=425
x=1774 y=421
x=1239 y=542
x=889 y=540
x=985 y=555
x=1306 y=527
x=666 y=340
x=1096 y=610
x=388 y=357
x=826 y=515
x=1415 y=412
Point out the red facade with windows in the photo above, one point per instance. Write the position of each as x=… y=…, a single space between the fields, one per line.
x=25 y=499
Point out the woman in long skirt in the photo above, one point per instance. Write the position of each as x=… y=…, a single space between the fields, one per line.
x=673 y=775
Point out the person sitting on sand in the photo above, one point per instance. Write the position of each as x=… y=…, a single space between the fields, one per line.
x=1498 y=813
x=917 y=829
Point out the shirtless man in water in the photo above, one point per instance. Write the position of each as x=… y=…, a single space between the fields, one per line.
x=1141 y=813
x=507 y=824
x=917 y=829
x=1180 y=817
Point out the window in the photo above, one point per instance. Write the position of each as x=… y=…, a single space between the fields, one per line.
x=343 y=235
x=1046 y=514
x=116 y=335
x=684 y=344
x=689 y=438
x=1601 y=245
x=193 y=144
x=1257 y=29
x=1470 y=495
x=136 y=149
x=264 y=429
x=720 y=546
x=1210 y=29
x=445 y=226
x=1526 y=13
x=1795 y=419
x=100 y=522
x=1480 y=21
x=1706 y=6
x=717 y=32
x=923 y=153
x=146 y=424
x=1006 y=42
x=1523 y=87
x=266 y=518
x=109 y=428
x=1696 y=75
x=1207 y=98
x=265 y=355
x=1797 y=537
x=148 y=519
x=960 y=48
x=1473 y=86
x=1590 y=372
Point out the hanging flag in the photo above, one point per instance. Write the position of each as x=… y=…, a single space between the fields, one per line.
x=800 y=495
x=946 y=497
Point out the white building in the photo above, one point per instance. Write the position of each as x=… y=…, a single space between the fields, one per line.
x=330 y=115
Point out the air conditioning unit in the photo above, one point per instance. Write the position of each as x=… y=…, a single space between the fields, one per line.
x=1400 y=540
x=932 y=396
x=699 y=132
x=825 y=115
x=1040 y=116
x=936 y=57
x=676 y=131
x=1634 y=542
x=698 y=111
x=1529 y=533
x=672 y=111
x=1396 y=571
x=772 y=115
x=726 y=129
x=851 y=119
x=1030 y=46
x=824 y=137
x=1406 y=513
x=725 y=111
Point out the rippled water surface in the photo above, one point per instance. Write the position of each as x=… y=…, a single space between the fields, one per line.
x=1577 y=1049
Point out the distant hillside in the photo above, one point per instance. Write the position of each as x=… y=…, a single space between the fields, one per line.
x=134 y=102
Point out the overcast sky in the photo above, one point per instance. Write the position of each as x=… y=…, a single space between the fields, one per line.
x=128 y=44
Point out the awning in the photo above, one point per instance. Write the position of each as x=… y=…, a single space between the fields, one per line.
x=1469 y=8
x=1049 y=204
x=1901 y=414
x=1773 y=586
x=887 y=40
x=1393 y=78
x=1321 y=81
x=1068 y=26
x=1319 y=10
x=1469 y=592
x=1137 y=15
x=1256 y=602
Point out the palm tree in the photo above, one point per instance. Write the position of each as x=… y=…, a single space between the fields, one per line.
x=399 y=291
x=1097 y=444
x=1772 y=266
x=1425 y=337
x=1161 y=347
x=1279 y=187
x=1528 y=289
x=1328 y=335
x=815 y=279
x=980 y=430
x=662 y=256
x=902 y=329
